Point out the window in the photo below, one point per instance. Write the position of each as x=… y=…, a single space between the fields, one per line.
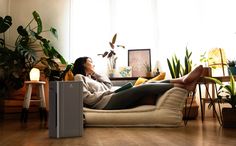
x=164 y=26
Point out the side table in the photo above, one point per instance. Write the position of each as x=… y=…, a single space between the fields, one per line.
x=27 y=99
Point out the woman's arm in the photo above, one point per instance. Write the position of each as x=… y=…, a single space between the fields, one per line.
x=90 y=97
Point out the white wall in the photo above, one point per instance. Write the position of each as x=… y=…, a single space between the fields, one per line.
x=3 y=7
x=53 y=13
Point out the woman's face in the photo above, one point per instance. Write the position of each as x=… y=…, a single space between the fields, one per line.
x=89 y=66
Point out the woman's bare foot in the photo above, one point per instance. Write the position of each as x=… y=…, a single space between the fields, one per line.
x=190 y=77
x=189 y=86
x=193 y=75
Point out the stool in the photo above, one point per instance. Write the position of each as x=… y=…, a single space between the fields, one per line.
x=27 y=99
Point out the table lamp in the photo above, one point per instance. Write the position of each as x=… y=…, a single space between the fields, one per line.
x=218 y=59
x=34 y=74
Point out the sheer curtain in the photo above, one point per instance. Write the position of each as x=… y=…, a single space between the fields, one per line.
x=164 y=26
x=93 y=23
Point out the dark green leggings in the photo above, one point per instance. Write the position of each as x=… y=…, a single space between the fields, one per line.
x=130 y=97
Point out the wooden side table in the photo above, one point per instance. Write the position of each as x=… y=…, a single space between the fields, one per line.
x=27 y=99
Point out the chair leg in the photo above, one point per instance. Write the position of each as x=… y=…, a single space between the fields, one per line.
x=43 y=114
x=24 y=115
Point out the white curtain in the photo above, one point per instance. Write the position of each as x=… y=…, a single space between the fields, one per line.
x=164 y=26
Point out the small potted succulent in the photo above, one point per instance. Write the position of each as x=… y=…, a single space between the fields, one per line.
x=232 y=67
x=148 y=69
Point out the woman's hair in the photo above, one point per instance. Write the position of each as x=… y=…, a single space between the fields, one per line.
x=79 y=67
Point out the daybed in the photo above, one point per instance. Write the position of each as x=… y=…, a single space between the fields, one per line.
x=166 y=113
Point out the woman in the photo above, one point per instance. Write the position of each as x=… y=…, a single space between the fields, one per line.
x=97 y=91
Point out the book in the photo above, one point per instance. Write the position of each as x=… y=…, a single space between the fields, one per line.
x=124 y=87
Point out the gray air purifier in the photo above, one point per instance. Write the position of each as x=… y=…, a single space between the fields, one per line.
x=65 y=109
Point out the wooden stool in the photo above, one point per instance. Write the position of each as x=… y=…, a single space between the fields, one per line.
x=27 y=99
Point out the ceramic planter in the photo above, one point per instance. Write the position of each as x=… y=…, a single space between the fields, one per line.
x=229 y=117
x=232 y=70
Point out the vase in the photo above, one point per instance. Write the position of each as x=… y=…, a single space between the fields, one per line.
x=111 y=66
x=111 y=72
x=148 y=74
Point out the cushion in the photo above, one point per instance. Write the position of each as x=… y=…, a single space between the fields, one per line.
x=142 y=80
x=69 y=76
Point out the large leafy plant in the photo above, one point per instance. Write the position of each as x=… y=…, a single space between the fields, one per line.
x=17 y=61
x=226 y=92
x=176 y=68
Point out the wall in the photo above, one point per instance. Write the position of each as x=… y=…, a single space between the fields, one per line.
x=3 y=7
x=54 y=13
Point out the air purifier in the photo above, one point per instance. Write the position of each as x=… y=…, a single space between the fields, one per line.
x=65 y=109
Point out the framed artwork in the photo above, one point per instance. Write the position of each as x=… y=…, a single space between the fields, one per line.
x=140 y=61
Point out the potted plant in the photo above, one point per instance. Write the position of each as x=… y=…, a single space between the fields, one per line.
x=231 y=67
x=16 y=61
x=148 y=70
x=111 y=56
x=226 y=94
x=178 y=70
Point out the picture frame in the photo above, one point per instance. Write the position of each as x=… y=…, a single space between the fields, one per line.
x=139 y=60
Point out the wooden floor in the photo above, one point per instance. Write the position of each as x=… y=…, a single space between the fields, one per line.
x=209 y=133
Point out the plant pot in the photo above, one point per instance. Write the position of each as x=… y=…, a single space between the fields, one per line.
x=229 y=117
x=148 y=74
x=232 y=70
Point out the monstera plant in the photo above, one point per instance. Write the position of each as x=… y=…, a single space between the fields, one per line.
x=17 y=61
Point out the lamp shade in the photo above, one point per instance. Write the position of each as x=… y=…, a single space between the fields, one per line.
x=34 y=74
x=218 y=58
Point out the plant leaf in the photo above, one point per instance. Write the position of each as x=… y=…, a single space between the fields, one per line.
x=170 y=68
x=110 y=54
x=114 y=39
x=232 y=84
x=112 y=45
x=46 y=47
x=105 y=54
x=5 y=23
x=22 y=31
x=2 y=42
x=54 y=32
x=58 y=55
x=214 y=80
x=122 y=46
x=39 y=22
x=178 y=69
